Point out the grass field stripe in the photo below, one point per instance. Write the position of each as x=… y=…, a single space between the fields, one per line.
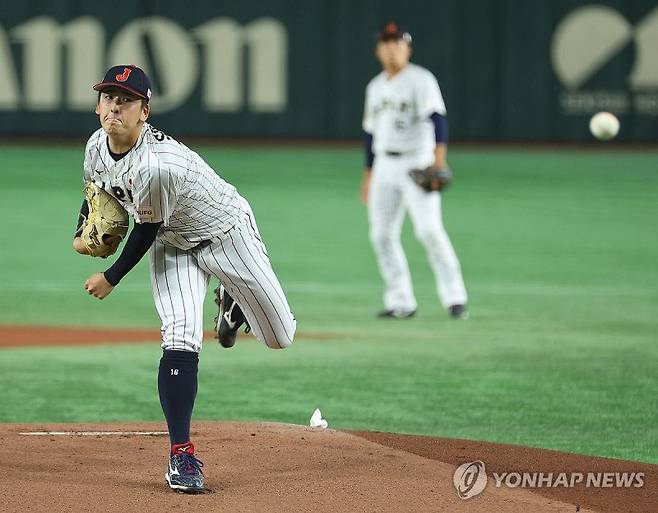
x=95 y=433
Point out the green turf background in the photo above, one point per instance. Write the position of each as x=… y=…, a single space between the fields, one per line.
x=559 y=251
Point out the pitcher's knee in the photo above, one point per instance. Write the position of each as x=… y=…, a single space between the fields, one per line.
x=282 y=336
x=278 y=342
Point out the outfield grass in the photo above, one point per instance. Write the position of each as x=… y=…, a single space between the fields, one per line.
x=559 y=254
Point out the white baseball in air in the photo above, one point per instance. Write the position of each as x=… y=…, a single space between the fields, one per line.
x=604 y=126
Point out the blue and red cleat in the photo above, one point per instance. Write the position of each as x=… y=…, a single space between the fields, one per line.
x=184 y=473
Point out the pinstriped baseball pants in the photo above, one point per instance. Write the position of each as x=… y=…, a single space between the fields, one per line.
x=180 y=280
x=392 y=194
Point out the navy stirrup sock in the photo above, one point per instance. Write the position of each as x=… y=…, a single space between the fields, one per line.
x=177 y=386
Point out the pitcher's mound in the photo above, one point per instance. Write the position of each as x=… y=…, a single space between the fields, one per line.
x=258 y=467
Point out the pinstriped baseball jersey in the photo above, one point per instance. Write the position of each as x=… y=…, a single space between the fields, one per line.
x=397 y=110
x=162 y=180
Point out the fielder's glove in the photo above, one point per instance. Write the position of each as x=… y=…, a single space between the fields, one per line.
x=106 y=225
x=432 y=178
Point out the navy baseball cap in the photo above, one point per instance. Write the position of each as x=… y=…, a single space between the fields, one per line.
x=128 y=77
x=391 y=31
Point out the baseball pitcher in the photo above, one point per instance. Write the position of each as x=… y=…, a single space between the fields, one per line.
x=194 y=226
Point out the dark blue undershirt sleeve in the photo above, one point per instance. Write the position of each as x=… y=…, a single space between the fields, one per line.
x=139 y=241
x=367 y=148
x=84 y=213
x=440 y=127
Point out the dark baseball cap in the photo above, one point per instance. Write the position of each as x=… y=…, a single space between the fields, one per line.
x=391 y=31
x=128 y=77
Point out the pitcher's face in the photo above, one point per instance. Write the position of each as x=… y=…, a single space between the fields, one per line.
x=120 y=112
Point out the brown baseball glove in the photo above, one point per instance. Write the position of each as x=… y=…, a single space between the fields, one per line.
x=432 y=178
x=106 y=225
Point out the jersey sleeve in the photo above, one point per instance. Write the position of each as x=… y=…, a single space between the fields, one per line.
x=430 y=98
x=155 y=189
x=368 y=123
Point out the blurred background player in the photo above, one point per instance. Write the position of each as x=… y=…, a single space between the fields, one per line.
x=406 y=127
x=194 y=225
